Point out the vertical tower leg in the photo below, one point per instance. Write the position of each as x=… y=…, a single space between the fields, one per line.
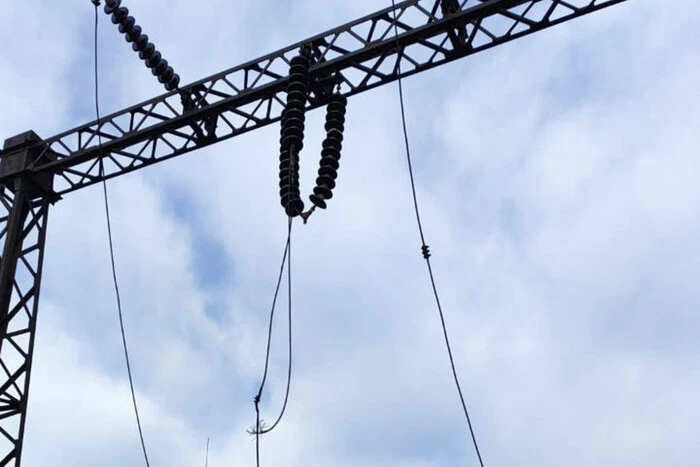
x=23 y=229
x=24 y=208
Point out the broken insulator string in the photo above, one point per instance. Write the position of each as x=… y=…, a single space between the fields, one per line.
x=139 y=43
x=330 y=154
x=292 y=135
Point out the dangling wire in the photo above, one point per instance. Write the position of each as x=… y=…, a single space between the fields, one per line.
x=258 y=429
x=291 y=143
x=424 y=247
x=111 y=249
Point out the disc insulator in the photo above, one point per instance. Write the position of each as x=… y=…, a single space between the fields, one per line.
x=173 y=83
x=127 y=25
x=153 y=60
x=119 y=15
x=134 y=35
x=330 y=162
x=323 y=192
x=139 y=42
x=160 y=67
x=147 y=51
x=317 y=201
x=111 y=5
x=326 y=181
x=328 y=172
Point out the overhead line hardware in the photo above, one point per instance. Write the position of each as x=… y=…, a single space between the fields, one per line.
x=360 y=55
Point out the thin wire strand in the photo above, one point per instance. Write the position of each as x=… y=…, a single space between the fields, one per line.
x=257 y=434
x=426 y=253
x=286 y=260
x=111 y=250
x=272 y=313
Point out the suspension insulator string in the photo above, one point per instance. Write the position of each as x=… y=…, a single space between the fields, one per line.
x=139 y=43
x=330 y=154
x=292 y=141
x=292 y=135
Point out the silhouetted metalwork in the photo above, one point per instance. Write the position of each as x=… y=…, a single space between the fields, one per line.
x=351 y=59
x=24 y=207
x=360 y=55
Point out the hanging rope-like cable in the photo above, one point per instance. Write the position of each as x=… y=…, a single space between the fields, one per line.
x=286 y=261
x=111 y=248
x=424 y=247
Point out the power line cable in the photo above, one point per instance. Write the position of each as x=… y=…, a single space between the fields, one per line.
x=286 y=260
x=111 y=247
x=424 y=247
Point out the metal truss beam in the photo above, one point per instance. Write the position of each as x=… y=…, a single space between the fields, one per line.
x=356 y=57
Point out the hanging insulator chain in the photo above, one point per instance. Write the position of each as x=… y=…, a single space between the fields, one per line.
x=292 y=141
x=292 y=134
x=330 y=154
x=139 y=43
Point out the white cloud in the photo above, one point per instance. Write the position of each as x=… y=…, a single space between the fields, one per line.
x=555 y=176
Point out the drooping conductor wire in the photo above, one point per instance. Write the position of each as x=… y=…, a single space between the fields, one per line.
x=425 y=249
x=111 y=253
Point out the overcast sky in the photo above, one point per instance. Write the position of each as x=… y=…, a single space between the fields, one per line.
x=557 y=177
